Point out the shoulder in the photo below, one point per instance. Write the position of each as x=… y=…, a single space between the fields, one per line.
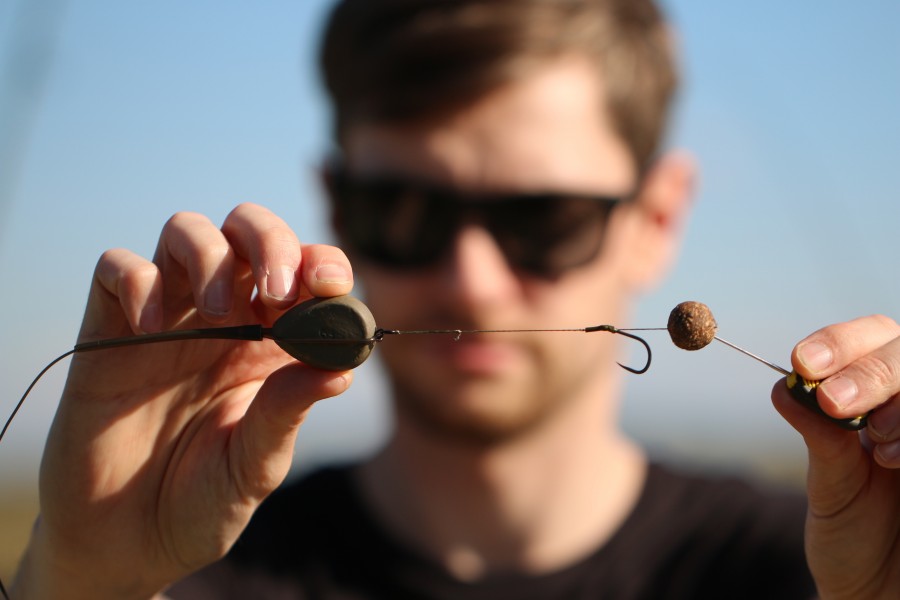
x=714 y=509
x=706 y=497
x=710 y=534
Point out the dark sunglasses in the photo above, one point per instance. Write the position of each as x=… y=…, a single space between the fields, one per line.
x=404 y=224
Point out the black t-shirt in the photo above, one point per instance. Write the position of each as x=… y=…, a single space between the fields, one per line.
x=688 y=537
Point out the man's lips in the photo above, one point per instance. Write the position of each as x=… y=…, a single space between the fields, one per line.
x=471 y=353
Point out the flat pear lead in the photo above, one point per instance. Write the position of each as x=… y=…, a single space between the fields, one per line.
x=334 y=334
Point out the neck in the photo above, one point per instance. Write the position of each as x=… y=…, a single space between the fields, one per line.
x=533 y=504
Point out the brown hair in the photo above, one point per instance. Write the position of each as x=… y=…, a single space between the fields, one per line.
x=400 y=60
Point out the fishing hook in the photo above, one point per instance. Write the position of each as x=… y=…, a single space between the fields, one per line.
x=643 y=342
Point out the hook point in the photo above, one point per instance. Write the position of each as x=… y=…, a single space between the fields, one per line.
x=646 y=346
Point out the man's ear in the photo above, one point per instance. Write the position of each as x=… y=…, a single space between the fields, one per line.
x=660 y=211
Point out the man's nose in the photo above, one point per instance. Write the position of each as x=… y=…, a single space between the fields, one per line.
x=477 y=274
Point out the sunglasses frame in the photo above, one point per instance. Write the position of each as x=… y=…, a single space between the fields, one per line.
x=451 y=209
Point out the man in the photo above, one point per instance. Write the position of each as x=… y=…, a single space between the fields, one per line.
x=497 y=171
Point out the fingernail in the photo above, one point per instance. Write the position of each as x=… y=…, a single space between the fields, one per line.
x=217 y=300
x=842 y=391
x=332 y=274
x=815 y=356
x=280 y=284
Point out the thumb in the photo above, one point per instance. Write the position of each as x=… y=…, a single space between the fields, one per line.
x=263 y=442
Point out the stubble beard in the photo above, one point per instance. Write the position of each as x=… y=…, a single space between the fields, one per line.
x=480 y=414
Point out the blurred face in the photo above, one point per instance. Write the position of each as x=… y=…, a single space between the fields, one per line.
x=546 y=136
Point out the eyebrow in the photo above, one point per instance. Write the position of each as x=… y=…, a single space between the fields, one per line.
x=343 y=176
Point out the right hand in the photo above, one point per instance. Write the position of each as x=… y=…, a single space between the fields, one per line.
x=853 y=481
x=159 y=454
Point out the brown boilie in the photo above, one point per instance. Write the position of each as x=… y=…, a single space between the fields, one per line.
x=691 y=325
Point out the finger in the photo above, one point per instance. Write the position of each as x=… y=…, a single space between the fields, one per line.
x=265 y=437
x=129 y=285
x=270 y=247
x=196 y=258
x=274 y=254
x=326 y=271
x=865 y=383
x=837 y=460
x=828 y=350
x=883 y=433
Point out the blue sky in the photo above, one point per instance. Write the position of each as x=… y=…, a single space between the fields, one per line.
x=145 y=109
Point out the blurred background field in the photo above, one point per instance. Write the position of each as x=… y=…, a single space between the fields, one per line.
x=18 y=509
x=113 y=116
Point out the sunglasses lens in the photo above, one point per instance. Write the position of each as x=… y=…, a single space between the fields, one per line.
x=393 y=223
x=550 y=234
x=401 y=225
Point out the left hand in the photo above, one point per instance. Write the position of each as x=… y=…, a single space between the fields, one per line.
x=853 y=524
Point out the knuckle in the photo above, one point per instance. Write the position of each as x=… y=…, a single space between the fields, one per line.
x=118 y=264
x=278 y=234
x=829 y=335
x=886 y=322
x=278 y=243
x=140 y=272
x=880 y=371
x=109 y=260
x=316 y=255
x=244 y=209
x=215 y=251
x=327 y=251
x=260 y=232
x=110 y=255
x=183 y=220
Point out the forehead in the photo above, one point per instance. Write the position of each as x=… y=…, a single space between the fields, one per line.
x=549 y=129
